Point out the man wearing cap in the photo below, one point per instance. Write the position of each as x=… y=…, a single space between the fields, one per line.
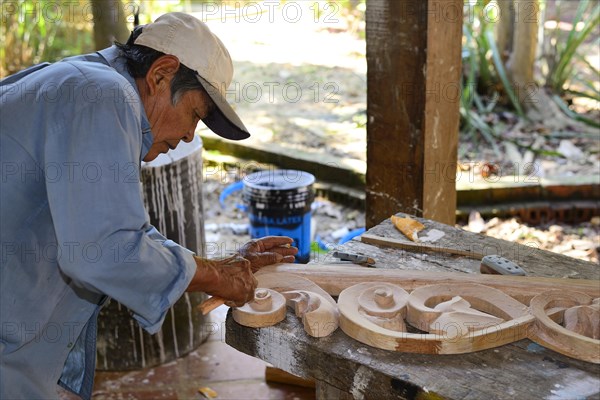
x=73 y=226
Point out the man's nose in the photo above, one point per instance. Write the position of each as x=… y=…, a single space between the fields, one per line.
x=188 y=136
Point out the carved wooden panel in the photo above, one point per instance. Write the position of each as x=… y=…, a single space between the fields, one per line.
x=446 y=318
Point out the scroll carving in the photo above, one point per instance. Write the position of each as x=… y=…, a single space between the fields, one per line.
x=319 y=316
x=447 y=318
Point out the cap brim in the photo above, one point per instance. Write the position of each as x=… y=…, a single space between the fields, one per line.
x=223 y=120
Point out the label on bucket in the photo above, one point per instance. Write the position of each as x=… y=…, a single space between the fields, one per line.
x=299 y=231
x=287 y=222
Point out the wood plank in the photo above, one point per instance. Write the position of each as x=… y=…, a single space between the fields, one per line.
x=533 y=260
x=387 y=257
x=276 y=375
x=412 y=124
x=324 y=166
x=334 y=278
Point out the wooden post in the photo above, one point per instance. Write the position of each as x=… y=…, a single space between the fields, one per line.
x=413 y=96
x=173 y=194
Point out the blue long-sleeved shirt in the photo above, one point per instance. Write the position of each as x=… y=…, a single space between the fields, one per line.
x=73 y=228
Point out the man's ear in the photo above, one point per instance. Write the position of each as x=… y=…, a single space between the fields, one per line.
x=161 y=73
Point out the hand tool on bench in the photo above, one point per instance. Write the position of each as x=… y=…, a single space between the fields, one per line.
x=353 y=258
x=496 y=265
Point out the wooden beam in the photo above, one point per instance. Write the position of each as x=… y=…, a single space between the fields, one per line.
x=276 y=375
x=335 y=278
x=413 y=93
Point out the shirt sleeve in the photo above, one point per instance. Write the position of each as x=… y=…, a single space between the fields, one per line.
x=105 y=240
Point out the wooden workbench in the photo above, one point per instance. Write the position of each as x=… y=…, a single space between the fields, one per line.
x=345 y=368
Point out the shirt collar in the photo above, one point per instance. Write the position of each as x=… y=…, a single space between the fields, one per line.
x=111 y=55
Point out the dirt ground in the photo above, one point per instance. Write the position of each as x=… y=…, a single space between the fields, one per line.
x=300 y=81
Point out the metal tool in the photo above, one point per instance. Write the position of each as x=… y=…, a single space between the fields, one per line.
x=496 y=265
x=353 y=258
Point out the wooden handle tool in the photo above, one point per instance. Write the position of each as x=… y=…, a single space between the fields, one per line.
x=210 y=304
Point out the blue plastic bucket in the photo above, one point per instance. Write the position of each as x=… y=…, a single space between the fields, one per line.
x=278 y=203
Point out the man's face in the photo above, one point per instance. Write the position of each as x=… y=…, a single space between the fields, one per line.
x=172 y=124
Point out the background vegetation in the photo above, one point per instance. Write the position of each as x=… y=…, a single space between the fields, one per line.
x=38 y=30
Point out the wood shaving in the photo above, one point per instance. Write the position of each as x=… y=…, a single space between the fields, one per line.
x=408 y=226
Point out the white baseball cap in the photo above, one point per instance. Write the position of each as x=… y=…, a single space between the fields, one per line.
x=196 y=47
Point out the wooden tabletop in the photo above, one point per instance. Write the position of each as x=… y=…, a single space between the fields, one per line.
x=345 y=368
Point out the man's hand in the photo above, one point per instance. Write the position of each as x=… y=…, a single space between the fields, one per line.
x=268 y=250
x=230 y=278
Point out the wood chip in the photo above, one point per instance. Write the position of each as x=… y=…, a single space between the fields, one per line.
x=207 y=392
x=408 y=226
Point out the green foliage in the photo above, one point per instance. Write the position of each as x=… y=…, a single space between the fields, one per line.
x=486 y=84
x=33 y=31
x=571 y=114
x=564 y=52
x=501 y=73
x=486 y=70
x=568 y=73
x=483 y=75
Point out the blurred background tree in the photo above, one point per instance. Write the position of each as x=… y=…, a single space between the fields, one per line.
x=32 y=31
x=36 y=31
x=110 y=21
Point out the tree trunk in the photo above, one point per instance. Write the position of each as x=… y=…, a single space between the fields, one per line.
x=521 y=61
x=505 y=28
x=517 y=33
x=110 y=23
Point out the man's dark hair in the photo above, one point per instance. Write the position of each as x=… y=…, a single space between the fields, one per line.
x=140 y=58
